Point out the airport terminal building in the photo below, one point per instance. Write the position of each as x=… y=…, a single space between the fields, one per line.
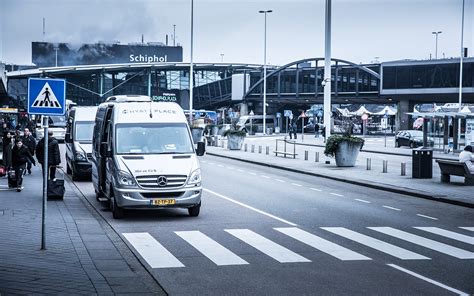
x=94 y=72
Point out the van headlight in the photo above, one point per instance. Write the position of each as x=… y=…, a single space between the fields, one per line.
x=80 y=156
x=195 y=178
x=125 y=179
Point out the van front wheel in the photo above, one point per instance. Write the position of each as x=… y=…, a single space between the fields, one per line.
x=194 y=211
x=117 y=212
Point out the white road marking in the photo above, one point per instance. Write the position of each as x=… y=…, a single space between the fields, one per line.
x=361 y=200
x=336 y=194
x=240 y=170
x=250 y=207
x=428 y=217
x=266 y=177
x=322 y=244
x=152 y=251
x=449 y=234
x=279 y=180
x=391 y=208
x=266 y=246
x=217 y=253
x=428 y=280
x=252 y=173
x=228 y=167
x=220 y=165
x=315 y=189
x=376 y=244
x=299 y=185
x=468 y=228
x=427 y=243
x=210 y=163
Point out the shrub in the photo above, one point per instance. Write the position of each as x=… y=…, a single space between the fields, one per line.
x=333 y=142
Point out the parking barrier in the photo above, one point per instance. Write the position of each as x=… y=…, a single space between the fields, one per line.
x=403 y=169
x=316 y=157
x=267 y=150
x=306 y=155
x=384 y=166
x=369 y=164
x=253 y=148
x=245 y=147
x=260 y=149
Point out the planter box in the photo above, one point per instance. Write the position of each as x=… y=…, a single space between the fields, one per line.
x=346 y=154
x=235 y=142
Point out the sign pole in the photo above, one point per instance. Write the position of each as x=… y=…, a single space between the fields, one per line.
x=45 y=123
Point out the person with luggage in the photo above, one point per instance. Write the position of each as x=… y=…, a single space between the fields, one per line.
x=30 y=142
x=20 y=156
x=54 y=157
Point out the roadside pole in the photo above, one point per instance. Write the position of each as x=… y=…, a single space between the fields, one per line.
x=45 y=124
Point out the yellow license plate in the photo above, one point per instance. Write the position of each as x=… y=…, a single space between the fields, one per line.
x=163 y=202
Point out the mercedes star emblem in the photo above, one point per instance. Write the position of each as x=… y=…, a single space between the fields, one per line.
x=162 y=181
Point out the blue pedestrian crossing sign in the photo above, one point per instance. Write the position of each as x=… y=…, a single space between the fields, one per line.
x=46 y=96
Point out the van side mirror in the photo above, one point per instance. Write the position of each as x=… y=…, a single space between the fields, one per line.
x=201 y=148
x=67 y=138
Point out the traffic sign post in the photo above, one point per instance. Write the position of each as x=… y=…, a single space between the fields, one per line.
x=364 y=118
x=287 y=113
x=46 y=97
x=384 y=126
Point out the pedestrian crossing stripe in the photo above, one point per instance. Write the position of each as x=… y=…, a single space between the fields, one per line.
x=46 y=98
x=157 y=256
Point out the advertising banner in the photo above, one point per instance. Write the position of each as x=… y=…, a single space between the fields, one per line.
x=46 y=54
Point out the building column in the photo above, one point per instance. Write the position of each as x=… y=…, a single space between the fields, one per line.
x=402 y=119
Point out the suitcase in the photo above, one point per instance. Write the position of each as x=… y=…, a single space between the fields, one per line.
x=56 y=188
x=3 y=171
x=11 y=179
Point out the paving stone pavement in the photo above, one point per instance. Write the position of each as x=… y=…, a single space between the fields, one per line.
x=83 y=255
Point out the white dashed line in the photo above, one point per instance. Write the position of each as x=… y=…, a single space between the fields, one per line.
x=210 y=163
x=361 y=200
x=335 y=194
x=391 y=208
x=228 y=167
x=299 y=185
x=280 y=180
x=252 y=173
x=266 y=177
x=424 y=216
x=315 y=189
x=220 y=165
x=242 y=171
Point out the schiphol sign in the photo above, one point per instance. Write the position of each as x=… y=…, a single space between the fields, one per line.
x=148 y=59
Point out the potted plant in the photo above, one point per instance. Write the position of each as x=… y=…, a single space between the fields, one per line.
x=345 y=148
x=235 y=137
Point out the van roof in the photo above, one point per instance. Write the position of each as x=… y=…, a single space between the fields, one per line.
x=128 y=98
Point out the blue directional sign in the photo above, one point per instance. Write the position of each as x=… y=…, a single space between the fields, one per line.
x=46 y=96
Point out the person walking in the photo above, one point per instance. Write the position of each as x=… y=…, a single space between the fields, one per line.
x=316 y=130
x=467 y=157
x=7 y=141
x=293 y=128
x=30 y=142
x=20 y=156
x=54 y=157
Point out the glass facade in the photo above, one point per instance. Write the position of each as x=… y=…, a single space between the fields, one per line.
x=443 y=75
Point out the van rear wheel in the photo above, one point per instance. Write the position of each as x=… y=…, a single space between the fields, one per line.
x=194 y=211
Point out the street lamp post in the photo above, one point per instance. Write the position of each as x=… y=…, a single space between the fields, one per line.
x=56 y=50
x=222 y=57
x=460 y=73
x=265 y=71
x=191 y=70
x=436 y=48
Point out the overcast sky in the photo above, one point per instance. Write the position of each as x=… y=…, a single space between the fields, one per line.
x=361 y=29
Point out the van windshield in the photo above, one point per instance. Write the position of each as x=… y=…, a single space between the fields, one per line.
x=153 y=138
x=83 y=131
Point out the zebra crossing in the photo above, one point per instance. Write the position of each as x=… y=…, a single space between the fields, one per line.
x=157 y=256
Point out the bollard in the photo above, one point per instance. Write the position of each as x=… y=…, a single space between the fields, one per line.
x=384 y=166
x=260 y=149
x=267 y=150
x=222 y=143
x=316 y=157
x=305 y=155
x=404 y=169
x=245 y=147
x=369 y=164
x=253 y=148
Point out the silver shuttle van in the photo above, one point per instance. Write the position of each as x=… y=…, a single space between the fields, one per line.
x=143 y=156
x=78 y=138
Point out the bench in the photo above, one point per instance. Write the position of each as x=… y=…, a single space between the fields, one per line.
x=455 y=168
x=285 y=153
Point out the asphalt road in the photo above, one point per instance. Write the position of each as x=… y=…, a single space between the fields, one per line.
x=271 y=232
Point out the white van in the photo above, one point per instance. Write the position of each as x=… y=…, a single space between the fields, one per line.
x=78 y=138
x=143 y=156
x=254 y=123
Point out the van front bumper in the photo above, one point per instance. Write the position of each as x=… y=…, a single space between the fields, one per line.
x=143 y=199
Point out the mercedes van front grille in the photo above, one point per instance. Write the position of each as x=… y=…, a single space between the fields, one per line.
x=161 y=181
x=162 y=194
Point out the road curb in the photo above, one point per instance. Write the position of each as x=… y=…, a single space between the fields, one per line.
x=374 y=185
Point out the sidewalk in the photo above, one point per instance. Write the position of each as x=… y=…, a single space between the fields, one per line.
x=454 y=192
x=83 y=253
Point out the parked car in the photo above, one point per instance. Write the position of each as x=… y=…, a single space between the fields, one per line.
x=411 y=138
